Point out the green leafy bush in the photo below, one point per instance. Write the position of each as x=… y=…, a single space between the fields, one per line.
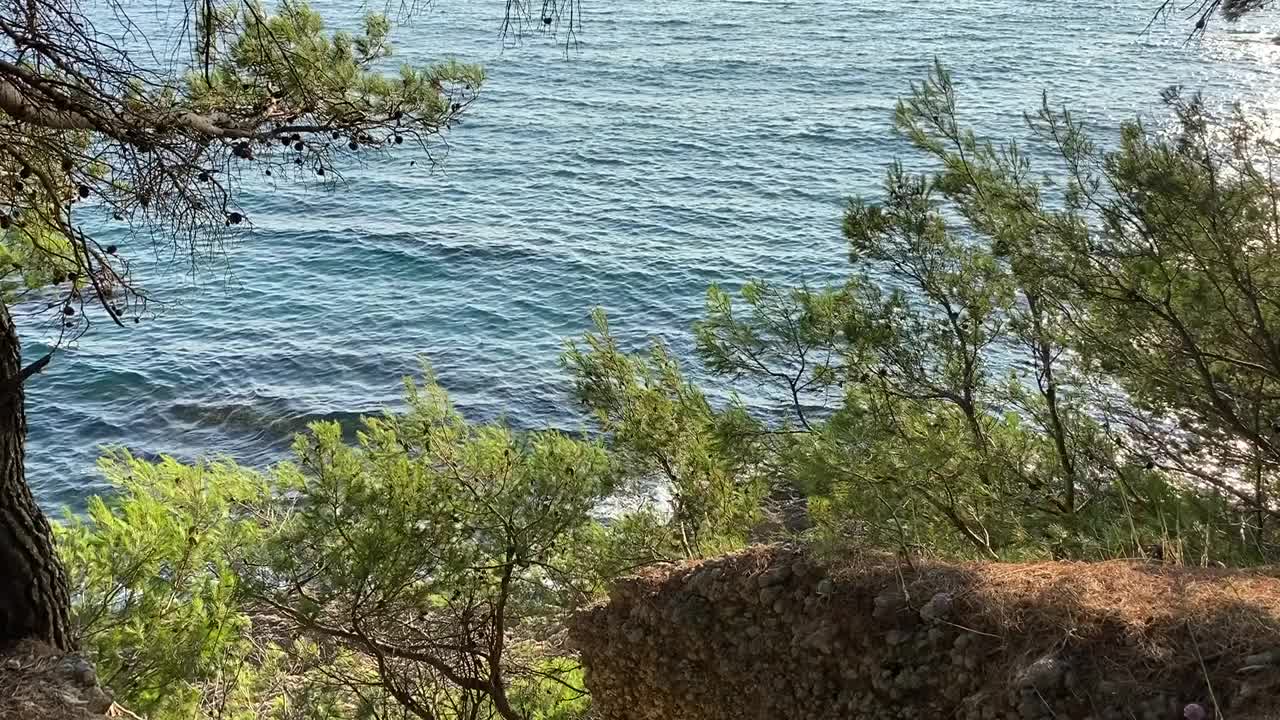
x=425 y=568
x=1009 y=373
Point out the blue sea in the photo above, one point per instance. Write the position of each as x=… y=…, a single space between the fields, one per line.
x=676 y=144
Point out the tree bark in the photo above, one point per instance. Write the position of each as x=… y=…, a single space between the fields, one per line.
x=34 y=601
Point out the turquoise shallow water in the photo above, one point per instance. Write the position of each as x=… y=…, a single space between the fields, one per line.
x=683 y=142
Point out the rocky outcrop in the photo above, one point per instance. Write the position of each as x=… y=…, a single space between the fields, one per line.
x=774 y=633
x=39 y=683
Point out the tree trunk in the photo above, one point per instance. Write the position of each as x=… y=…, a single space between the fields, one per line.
x=34 y=601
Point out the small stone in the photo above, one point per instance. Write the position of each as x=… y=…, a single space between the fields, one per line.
x=99 y=700
x=822 y=639
x=826 y=586
x=888 y=603
x=83 y=672
x=938 y=607
x=1030 y=709
x=1193 y=711
x=1271 y=657
x=773 y=576
x=1043 y=675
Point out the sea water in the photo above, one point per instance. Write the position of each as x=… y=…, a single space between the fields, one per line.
x=674 y=144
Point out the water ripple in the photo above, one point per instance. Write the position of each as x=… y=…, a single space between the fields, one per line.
x=685 y=142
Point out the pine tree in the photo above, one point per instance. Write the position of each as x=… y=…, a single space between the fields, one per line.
x=87 y=131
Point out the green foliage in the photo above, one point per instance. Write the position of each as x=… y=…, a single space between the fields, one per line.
x=1009 y=374
x=265 y=94
x=661 y=428
x=32 y=256
x=429 y=543
x=425 y=567
x=793 y=338
x=1153 y=268
x=555 y=691
x=152 y=572
x=336 y=77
